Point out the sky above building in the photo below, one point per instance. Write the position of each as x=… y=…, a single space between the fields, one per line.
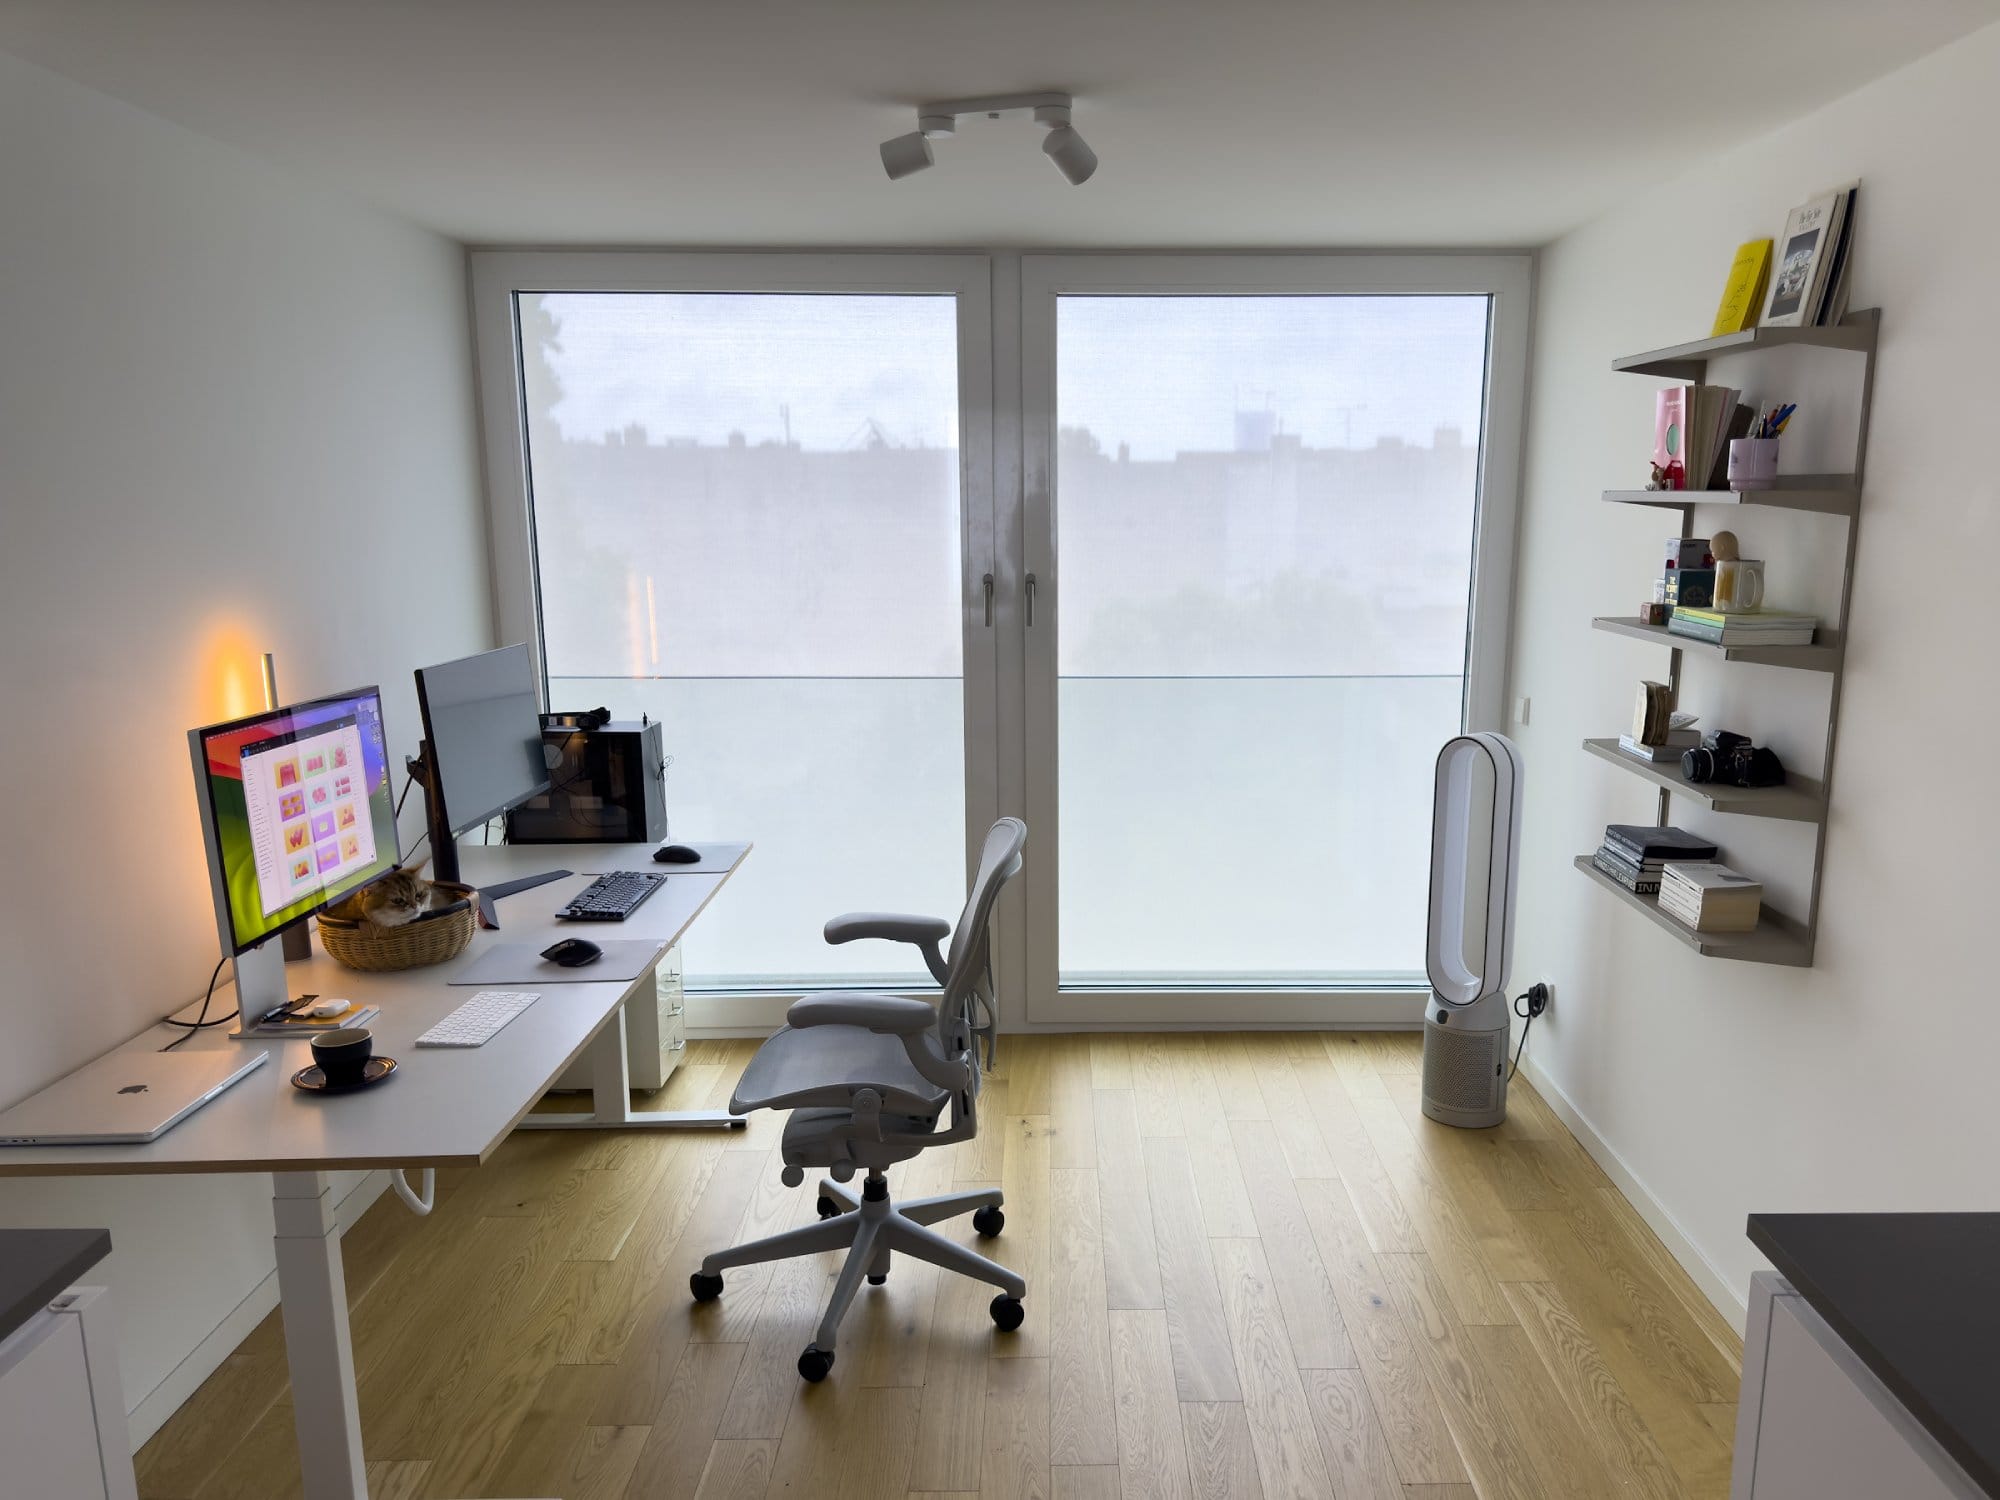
x=1160 y=375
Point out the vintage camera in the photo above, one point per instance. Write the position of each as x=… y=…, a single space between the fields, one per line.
x=1732 y=759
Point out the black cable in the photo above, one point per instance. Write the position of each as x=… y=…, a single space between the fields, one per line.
x=200 y=1022
x=1537 y=998
x=407 y=784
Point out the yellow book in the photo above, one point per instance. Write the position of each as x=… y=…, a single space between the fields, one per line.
x=1745 y=293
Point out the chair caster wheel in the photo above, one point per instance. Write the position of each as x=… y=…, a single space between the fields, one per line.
x=827 y=1207
x=882 y=1280
x=1007 y=1313
x=705 y=1288
x=988 y=1222
x=815 y=1363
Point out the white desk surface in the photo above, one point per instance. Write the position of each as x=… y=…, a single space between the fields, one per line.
x=444 y=1106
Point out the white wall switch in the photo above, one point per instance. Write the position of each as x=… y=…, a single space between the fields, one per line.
x=1520 y=710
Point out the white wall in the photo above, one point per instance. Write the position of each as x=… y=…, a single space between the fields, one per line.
x=235 y=416
x=1866 y=1082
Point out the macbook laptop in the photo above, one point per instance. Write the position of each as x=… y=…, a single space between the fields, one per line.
x=124 y=1098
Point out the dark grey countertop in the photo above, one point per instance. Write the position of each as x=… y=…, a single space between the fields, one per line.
x=36 y=1264
x=1917 y=1298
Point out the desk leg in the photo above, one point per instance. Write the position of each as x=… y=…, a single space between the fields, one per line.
x=611 y=1095
x=313 y=1293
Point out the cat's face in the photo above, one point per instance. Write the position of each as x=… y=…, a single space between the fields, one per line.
x=398 y=898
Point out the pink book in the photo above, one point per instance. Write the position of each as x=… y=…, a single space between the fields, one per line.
x=1670 y=414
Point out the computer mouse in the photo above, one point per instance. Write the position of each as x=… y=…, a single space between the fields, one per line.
x=573 y=953
x=676 y=854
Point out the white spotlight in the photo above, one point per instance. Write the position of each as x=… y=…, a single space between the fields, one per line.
x=1063 y=146
x=1071 y=154
x=906 y=154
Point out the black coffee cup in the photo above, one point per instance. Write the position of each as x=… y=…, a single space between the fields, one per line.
x=343 y=1054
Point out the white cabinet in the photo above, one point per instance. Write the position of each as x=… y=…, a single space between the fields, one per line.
x=62 y=1410
x=1814 y=1423
x=655 y=1031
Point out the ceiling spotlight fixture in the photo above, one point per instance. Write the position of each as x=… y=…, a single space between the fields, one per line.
x=939 y=119
x=906 y=154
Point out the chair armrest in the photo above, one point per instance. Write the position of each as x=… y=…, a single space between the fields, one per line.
x=922 y=933
x=891 y=925
x=889 y=1015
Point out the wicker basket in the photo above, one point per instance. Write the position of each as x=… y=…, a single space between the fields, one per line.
x=432 y=940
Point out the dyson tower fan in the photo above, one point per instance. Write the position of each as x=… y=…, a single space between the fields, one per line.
x=1475 y=851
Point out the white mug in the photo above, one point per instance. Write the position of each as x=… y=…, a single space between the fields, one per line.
x=1739 y=585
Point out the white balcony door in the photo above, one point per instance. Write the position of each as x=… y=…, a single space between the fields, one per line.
x=1268 y=511
x=749 y=497
x=1194 y=562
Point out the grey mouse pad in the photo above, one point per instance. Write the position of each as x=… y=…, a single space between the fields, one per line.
x=715 y=859
x=522 y=963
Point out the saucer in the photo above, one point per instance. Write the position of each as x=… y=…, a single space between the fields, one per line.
x=313 y=1081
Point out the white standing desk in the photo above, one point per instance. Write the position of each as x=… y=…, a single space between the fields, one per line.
x=444 y=1107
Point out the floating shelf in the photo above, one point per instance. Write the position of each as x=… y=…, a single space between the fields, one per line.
x=1822 y=656
x=1826 y=494
x=1798 y=800
x=1777 y=940
x=1855 y=333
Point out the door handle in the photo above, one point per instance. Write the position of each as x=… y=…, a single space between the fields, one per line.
x=987 y=581
x=1031 y=599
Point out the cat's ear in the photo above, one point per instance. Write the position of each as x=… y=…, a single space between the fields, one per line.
x=418 y=867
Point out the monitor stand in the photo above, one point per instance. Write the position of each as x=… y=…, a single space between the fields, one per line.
x=260 y=985
x=444 y=845
x=488 y=894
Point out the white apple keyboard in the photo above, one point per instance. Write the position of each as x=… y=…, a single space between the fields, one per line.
x=479 y=1020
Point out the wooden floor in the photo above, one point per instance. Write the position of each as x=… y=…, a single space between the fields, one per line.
x=1253 y=1269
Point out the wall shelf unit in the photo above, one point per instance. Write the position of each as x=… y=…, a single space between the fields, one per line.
x=1823 y=655
x=1827 y=494
x=1799 y=800
x=1779 y=939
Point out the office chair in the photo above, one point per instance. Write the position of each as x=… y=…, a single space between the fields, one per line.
x=867 y=1079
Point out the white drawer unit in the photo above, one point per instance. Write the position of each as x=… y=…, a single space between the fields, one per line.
x=1815 y=1423
x=655 y=1034
x=62 y=1408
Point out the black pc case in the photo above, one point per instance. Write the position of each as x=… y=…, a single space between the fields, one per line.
x=607 y=785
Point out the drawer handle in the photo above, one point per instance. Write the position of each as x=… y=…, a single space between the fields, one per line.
x=680 y=1046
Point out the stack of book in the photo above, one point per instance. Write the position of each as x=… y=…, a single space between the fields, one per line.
x=1636 y=854
x=1710 y=898
x=1750 y=627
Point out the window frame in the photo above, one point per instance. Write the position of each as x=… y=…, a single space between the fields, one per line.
x=1006 y=325
x=498 y=277
x=1507 y=282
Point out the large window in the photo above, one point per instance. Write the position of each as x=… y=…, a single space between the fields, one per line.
x=747 y=526
x=1264 y=547
x=1192 y=561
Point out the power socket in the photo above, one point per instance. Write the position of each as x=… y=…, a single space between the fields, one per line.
x=1541 y=995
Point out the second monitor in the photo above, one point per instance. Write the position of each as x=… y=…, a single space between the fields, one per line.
x=482 y=750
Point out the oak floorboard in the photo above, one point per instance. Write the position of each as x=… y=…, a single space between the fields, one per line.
x=1152 y=1453
x=1196 y=1328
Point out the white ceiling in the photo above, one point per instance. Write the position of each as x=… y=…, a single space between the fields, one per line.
x=755 y=122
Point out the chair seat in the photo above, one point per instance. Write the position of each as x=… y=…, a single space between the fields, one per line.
x=820 y=1067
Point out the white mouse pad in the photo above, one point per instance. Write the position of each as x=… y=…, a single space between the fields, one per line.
x=522 y=963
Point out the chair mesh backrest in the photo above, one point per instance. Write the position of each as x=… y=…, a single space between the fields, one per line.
x=968 y=967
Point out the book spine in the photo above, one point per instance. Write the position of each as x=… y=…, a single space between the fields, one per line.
x=1639 y=885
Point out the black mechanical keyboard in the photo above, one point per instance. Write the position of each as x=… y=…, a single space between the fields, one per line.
x=613 y=897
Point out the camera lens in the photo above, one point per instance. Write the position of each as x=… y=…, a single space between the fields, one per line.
x=1698 y=765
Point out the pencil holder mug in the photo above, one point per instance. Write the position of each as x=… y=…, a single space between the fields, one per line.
x=1739 y=585
x=1753 y=463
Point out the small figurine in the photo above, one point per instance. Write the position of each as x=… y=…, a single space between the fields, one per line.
x=1722 y=547
x=1671 y=477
